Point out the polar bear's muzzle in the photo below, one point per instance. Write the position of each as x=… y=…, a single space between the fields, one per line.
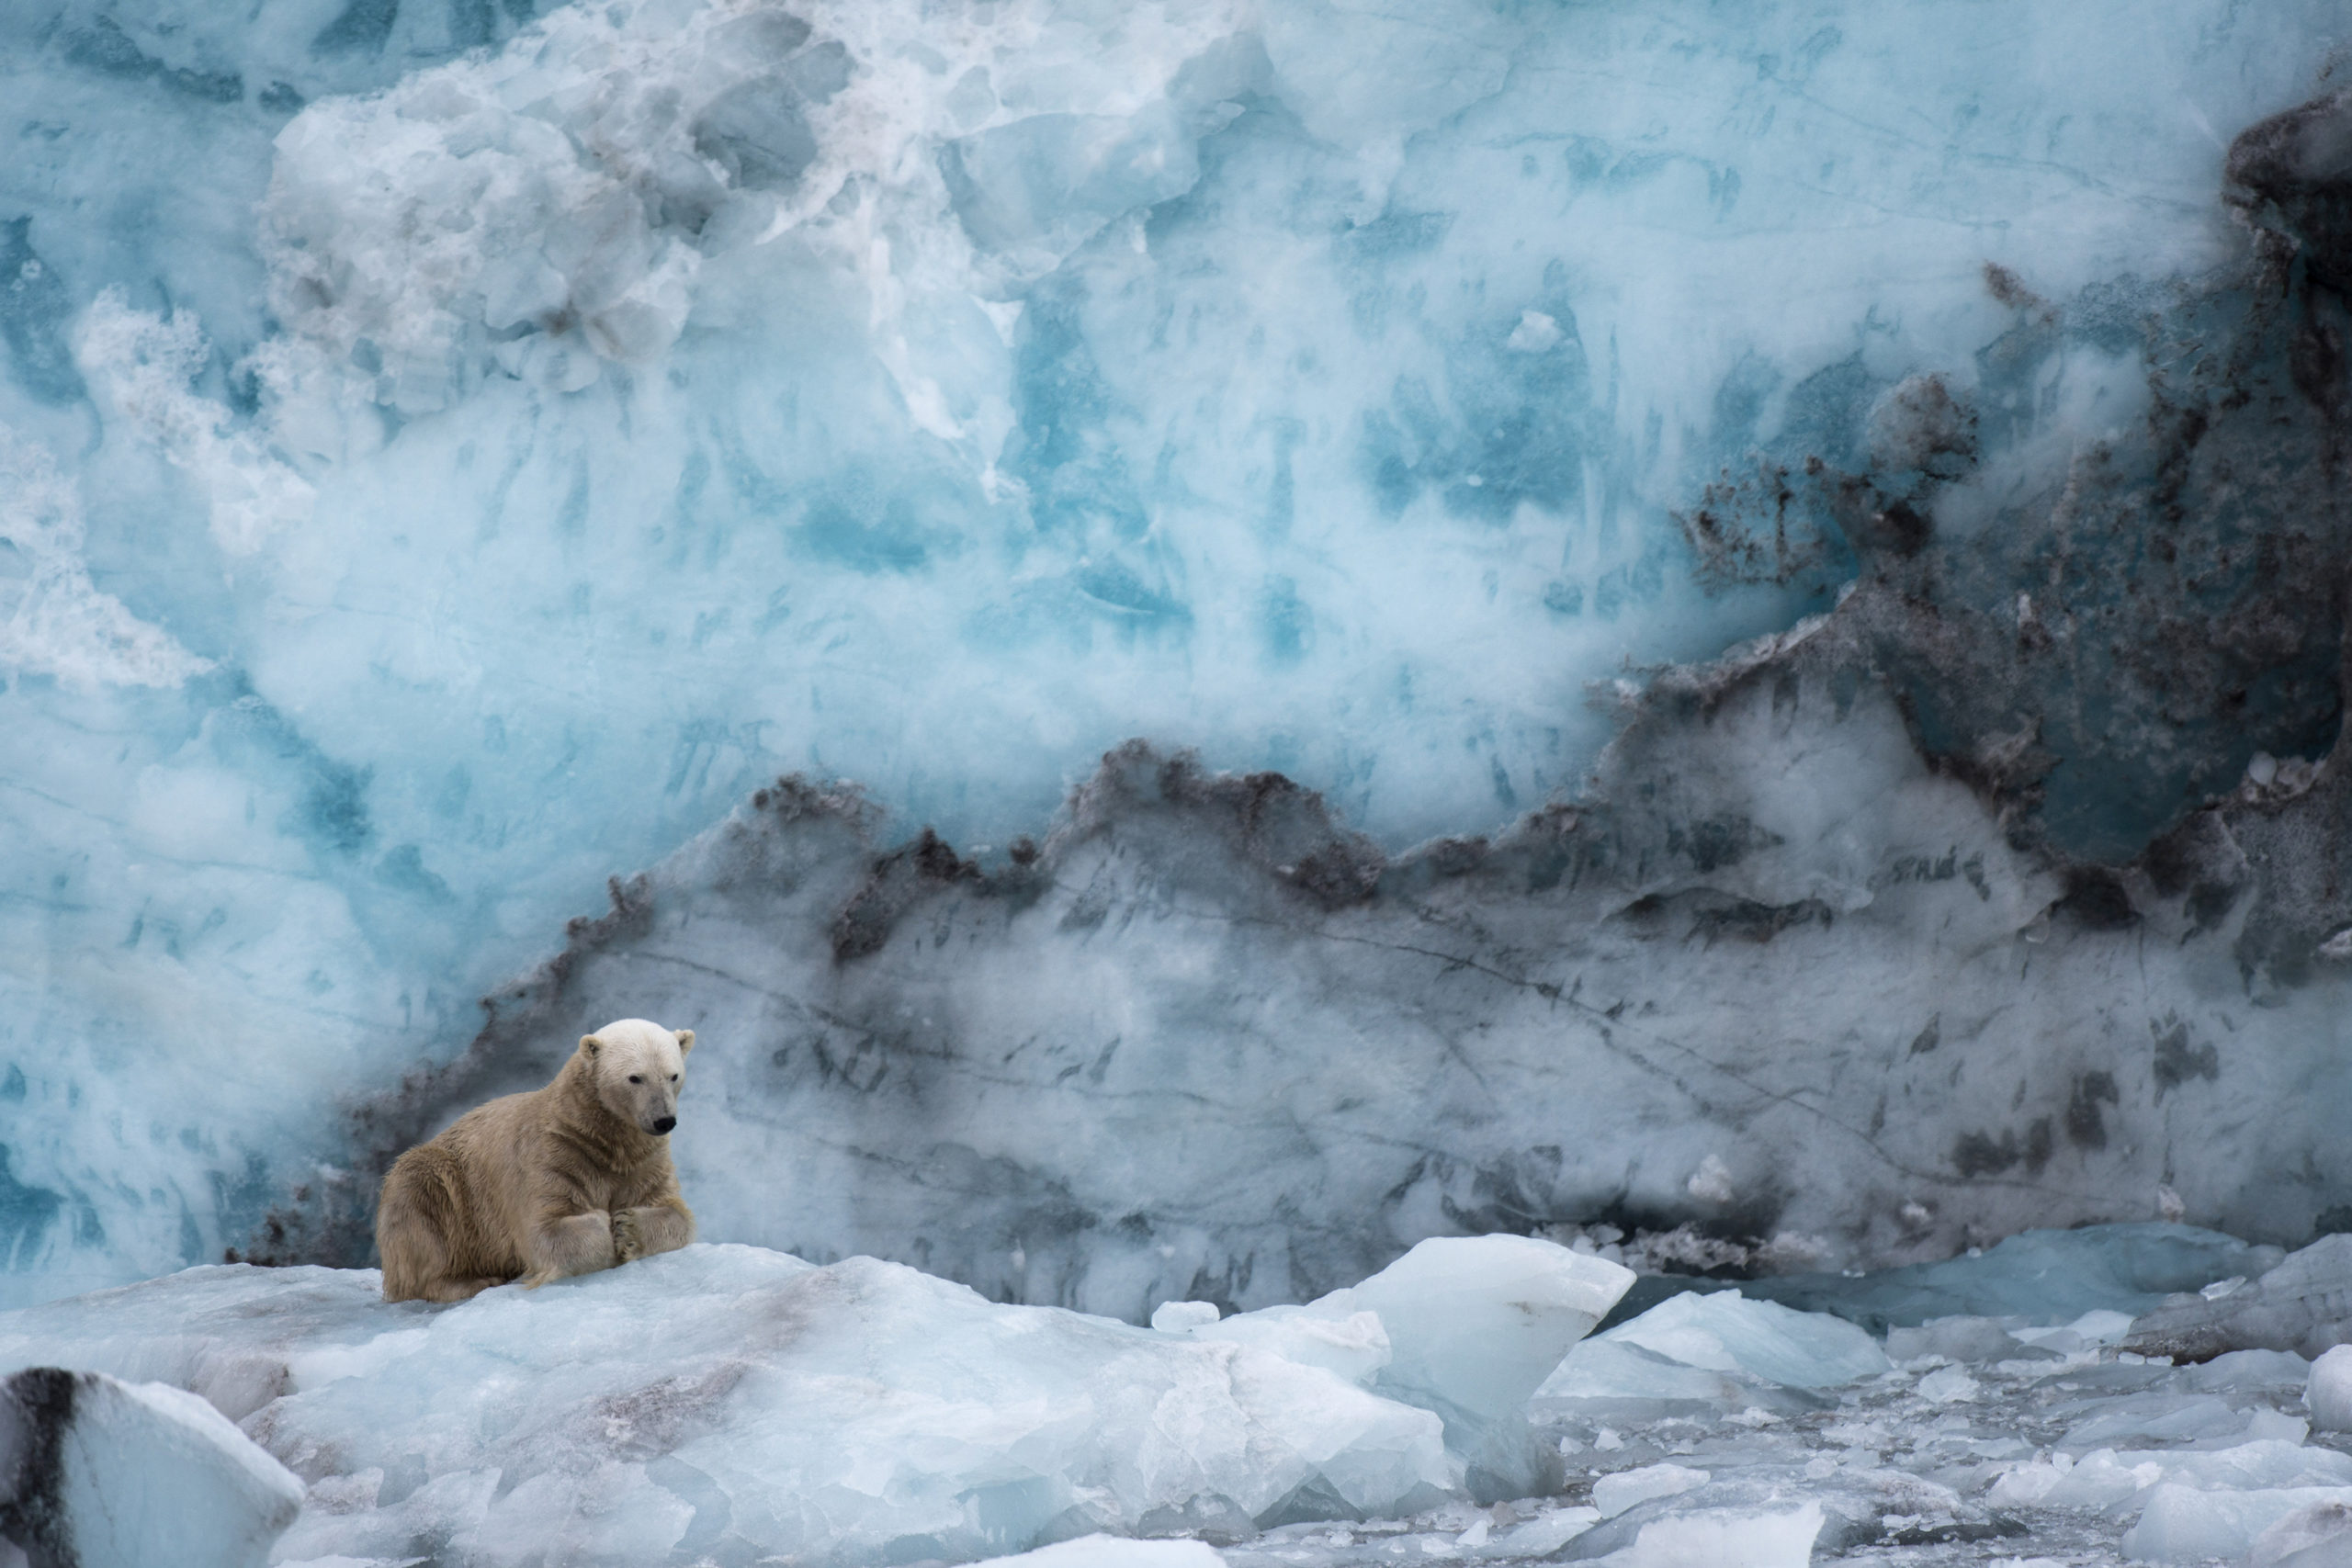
x=662 y=1126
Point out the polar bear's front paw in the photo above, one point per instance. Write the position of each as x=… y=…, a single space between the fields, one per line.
x=627 y=1246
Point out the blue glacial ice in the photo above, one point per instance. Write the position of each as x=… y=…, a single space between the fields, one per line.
x=451 y=458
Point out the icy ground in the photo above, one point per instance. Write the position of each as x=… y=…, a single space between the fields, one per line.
x=728 y=1406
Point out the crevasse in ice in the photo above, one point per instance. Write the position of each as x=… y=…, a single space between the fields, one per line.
x=448 y=459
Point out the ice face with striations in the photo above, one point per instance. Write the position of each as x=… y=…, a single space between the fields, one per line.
x=451 y=456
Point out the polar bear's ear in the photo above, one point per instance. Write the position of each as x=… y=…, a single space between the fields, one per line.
x=590 y=1045
x=685 y=1040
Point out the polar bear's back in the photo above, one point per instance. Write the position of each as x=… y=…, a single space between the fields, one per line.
x=472 y=1187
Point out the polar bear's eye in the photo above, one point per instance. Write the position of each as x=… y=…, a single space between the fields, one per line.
x=633 y=1077
x=673 y=1078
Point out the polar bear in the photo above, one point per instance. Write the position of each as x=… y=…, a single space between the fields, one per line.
x=561 y=1180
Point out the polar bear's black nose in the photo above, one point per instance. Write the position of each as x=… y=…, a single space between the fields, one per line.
x=665 y=1124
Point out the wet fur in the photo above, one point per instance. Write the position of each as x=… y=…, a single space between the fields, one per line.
x=536 y=1186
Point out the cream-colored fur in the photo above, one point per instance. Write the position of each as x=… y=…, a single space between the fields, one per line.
x=565 y=1179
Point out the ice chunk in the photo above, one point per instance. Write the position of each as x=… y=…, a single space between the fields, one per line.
x=102 y=1473
x=1112 y=1551
x=1607 y=1368
x=2329 y=1391
x=2266 y=1463
x=1704 y=1538
x=1947 y=1384
x=2104 y=1479
x=1176 y=1317
x=2318 y=1535
x=1959 y=1338
x=1720 y=1350
x=2240 y=1370
x=2100 y=1326
x=2266 y=1425
x=1472 y=1325
x=2097 y=1480
x=1966 y=1339
x=1475 y=1323
x=2049 y=1277
x=2303 y=1304
x=2155 y=1418
x=723 y=1396
x=1466 y=1325
x=1545 y=1533
x=2185 y=1524
x=1725 y=1332
x=1616 y=1493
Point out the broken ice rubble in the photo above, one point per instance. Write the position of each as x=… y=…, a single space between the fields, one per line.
x=1468 y=1327
x=734 y=1403
x=727 y=1405
x=2303 y=1304
x=2048 y=1276
x=1110 y=1551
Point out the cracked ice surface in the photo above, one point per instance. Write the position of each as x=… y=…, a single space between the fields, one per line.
x=450 y=458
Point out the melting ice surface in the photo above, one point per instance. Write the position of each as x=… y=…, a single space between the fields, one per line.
x=446 y=460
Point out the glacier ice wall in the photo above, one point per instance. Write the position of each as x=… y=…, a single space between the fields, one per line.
x=1777 y=988
x=450 y=457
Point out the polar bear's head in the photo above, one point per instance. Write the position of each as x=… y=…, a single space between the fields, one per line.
x=638 y=1068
